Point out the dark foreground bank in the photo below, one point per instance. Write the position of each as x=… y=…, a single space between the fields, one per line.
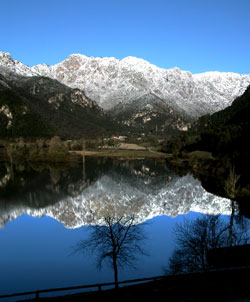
x=216 y=285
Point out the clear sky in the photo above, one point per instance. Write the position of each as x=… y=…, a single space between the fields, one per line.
x=194 y=35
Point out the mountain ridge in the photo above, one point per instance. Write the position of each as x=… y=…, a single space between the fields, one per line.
x=109 y=81
x=139 y=96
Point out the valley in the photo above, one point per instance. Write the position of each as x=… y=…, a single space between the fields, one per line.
x=129 y=108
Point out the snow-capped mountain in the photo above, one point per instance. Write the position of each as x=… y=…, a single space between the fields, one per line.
x=141 y=188
x=137 y=95
x=110 y=81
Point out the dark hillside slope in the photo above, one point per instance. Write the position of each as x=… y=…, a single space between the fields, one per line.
x=151 y=114
x=42 y=107
x=225 y=132
x=18 y=119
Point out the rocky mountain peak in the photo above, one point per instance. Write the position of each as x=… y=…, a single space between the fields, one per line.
x=6 y=61
x=5 y=55
x=110 y=81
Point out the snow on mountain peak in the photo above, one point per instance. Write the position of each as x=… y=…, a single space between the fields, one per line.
x=12 y=65
x=110 y=81
x=135 y=61
x=5 y=55
x=76 y=55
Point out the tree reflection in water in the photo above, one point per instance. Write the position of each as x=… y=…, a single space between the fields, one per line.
x=118 y=242
x=196 y=238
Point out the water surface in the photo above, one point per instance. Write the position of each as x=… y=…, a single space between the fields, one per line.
x=46 y=210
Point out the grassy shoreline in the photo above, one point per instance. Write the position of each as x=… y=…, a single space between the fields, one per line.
x=121 y=153
x=57 y=150
x=78 y=155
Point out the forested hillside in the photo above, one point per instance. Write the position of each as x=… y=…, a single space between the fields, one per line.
x=42 y=107
x=225 y=132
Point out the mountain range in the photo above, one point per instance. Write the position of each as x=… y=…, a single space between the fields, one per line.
x=132 y=92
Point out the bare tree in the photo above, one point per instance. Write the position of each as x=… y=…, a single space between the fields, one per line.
x=231 y=183
x=231 y=191
x=118 y=242
x=195 y=238
x=10 y=149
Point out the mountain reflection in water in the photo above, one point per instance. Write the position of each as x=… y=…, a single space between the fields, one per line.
x=82 y=195
x=35 y=252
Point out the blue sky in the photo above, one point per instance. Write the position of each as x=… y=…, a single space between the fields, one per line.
x=194 y=35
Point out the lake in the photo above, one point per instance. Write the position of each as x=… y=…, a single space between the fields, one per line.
x=45 y=211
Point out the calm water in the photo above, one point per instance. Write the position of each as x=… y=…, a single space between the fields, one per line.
x=46 y=211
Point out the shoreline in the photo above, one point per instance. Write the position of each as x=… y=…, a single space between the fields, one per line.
x=128 y=153
x=77 y=155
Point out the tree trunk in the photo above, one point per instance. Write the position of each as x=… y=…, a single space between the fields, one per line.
x=231 y=224
x=115 y=271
